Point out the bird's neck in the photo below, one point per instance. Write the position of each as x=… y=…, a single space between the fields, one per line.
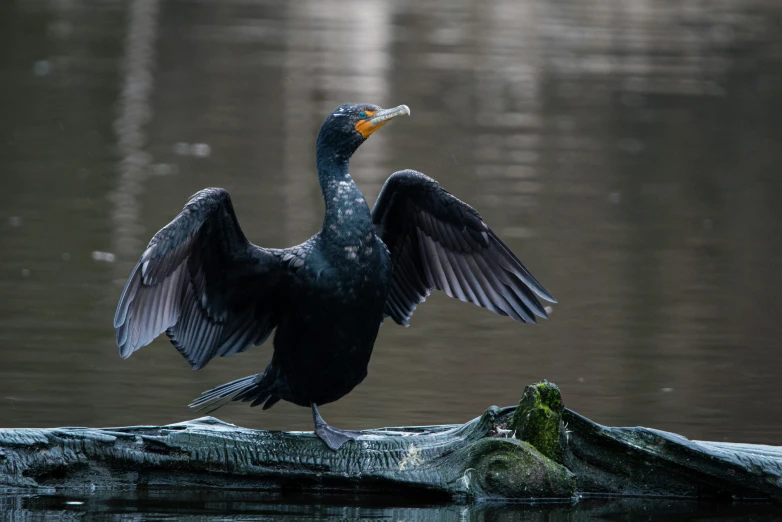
x=347 y=213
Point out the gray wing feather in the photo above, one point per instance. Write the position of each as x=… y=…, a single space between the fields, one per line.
x=437 y=241
x=203 y=283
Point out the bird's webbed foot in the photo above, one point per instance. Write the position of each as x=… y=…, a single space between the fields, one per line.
x=333 y=437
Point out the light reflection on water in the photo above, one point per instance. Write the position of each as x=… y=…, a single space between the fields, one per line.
x=244 y=505
x=627 y=151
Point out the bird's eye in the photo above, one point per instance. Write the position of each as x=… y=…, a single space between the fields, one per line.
x=362 y=115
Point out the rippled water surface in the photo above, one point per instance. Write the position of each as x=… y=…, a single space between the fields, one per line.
x=628 y=151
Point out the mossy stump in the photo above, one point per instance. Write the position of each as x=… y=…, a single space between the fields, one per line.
x=538 y=419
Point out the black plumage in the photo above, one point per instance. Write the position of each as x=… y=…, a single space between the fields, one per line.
x=214 y=293
x=437 y=241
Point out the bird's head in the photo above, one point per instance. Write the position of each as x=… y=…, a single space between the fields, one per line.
x=349 y=125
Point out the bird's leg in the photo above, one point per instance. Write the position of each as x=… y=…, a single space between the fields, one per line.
x=333 y=437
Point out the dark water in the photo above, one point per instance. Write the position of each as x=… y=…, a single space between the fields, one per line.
x=628 y=151
x=235 y=505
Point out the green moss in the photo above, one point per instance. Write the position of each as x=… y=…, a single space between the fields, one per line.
x=538 y=419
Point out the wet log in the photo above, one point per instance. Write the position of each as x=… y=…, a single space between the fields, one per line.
x=537 y=449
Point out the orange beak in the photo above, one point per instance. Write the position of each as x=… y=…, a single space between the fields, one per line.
x=375 y=120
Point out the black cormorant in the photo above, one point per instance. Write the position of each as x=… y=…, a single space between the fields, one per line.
x=214 y=293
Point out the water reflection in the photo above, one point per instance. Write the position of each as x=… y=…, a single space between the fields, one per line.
x=627 y=151
x=329 y=60
x=135 y=113
x=238 y=505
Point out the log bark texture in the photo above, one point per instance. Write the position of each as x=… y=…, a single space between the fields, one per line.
x=538 y=449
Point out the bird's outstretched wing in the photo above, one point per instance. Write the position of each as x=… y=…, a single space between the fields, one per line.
x=437 y=241
x=204 y=284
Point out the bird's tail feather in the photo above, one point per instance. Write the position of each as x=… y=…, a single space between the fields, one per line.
x=251 y=388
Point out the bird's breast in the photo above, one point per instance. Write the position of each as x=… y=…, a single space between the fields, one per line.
x=352 y=272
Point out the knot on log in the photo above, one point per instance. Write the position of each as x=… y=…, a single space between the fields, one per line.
x=508 y=468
